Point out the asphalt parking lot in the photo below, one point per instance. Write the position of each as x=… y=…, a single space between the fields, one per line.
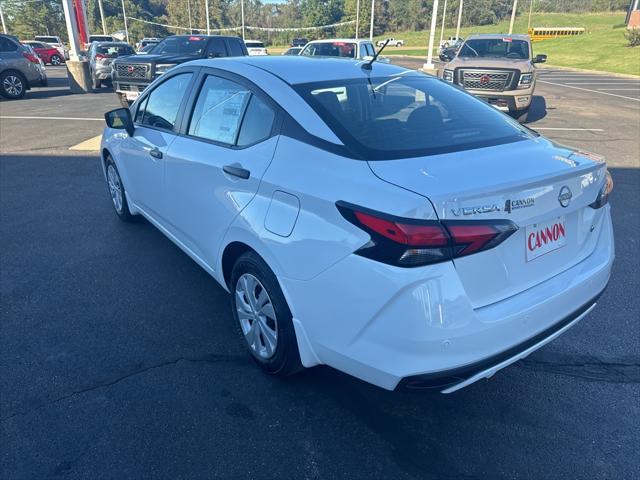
x=119 y=357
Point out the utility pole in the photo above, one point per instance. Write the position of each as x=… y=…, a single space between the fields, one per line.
x=513 y=16
x=124 y=16
x=206 y=12
x=530 y=12
x=434 y=17
x=189 y=13
x=104 y=25
x=357 y=17
x=4 y=25
x=242 y=15
x=459 y=20
x=373 y=9
x=444 y=14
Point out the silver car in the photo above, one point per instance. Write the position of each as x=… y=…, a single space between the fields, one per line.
x=101 y=55
x=20 y=69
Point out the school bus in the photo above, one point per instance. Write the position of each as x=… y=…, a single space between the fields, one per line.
x=544 y=33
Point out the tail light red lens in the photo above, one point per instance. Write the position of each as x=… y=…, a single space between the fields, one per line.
x=411 y=243
x=99 y=56
x=31 y=57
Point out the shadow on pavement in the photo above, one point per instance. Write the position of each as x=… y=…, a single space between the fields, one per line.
x=538 y=109
x=113 y=337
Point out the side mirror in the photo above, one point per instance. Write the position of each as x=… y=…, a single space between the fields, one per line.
x=120 y=119
x=540 y=59
x=213 y=55
x=447 y=55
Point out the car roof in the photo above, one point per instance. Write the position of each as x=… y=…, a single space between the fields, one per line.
x=498 y=36
x=331 y=40
x=296 y=69
x=110 y=43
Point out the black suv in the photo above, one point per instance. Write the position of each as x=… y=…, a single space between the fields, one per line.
x=131 y=75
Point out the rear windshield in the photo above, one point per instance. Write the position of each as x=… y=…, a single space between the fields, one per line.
x=495 y=48
x=193 y=46
x=254 y=44
x=330 y=49
x=114 y=50
x=407 y=116
x=100 y=38
x=47 y=39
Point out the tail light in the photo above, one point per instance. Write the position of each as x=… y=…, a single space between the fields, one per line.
x=31 y=57
x=603 y=196
x=411 y=243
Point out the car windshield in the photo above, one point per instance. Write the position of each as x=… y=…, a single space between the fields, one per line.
x=192 y=46
x=495 y=48
x=254 y=44
x=100 y=38
x=330 y=49
x=114 y=50
x=407 y=115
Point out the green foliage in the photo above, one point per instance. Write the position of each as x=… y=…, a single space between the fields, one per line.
x=633 y=36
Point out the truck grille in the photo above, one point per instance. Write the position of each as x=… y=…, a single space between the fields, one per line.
x=132 y=70
x=491 y=80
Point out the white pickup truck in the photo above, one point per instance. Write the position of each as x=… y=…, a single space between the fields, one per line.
x=392 y=43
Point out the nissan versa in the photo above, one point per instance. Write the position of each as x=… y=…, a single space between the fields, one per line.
x=365 y=216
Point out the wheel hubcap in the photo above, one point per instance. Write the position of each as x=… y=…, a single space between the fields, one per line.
x=115 y=187
x=12 y=85
x=257 y=316
x=55 y=61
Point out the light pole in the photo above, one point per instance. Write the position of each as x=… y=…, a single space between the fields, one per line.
x=444 y=14
x=104 y=25
x=189 y=13
x=429 y=65
x=206 y=12
x=124 y=16
x=373 y=8
x=459 y=20
x=357 y=17
x=530 y=12
x=242 y=15
x=513 y=16
x=4 y=26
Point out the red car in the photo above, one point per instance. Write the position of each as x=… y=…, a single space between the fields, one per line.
x=49 y=55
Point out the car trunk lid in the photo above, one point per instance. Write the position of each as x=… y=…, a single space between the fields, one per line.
x=544 y=189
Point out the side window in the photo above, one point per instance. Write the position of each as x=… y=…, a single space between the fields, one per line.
x=7 y=45
x=257 y=123
x=218 y=111
x=163 y=103
x=169 y=45
x=216 y=48
x=235 y=48
x=369 y=50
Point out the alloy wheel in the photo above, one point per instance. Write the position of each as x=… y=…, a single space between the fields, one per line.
x=13 y=85
x=55 y=60
x=115 y=187
x=257 y=316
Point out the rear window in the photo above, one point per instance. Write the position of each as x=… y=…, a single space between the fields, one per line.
x=114 y=50
x=495 y=48
x=254 y=44
x=47 y=39
x=188 y=45
x=100 y=38
x=330 y=49
x=407 y=116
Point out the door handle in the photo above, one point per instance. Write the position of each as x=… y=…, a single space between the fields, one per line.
x=155 y=153
x=237 y=171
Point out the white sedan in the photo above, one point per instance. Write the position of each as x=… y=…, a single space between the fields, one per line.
x=366 y=217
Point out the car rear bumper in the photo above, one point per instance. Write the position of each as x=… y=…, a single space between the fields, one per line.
x=417 y=327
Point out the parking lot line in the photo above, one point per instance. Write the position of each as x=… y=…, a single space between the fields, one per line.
x=12 y=117
x=566 y=129
x=603 y=83
x=621 y=89
x=590 y=90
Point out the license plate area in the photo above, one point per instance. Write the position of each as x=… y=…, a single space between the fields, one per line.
x=545 y=237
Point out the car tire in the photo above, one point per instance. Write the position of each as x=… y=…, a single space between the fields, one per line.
x=263 y=317
x=117 y=191
x=55 y=60
x=96 y=84
x=13 y=85
x=521 y=115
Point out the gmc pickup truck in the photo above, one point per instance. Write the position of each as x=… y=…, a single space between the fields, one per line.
x=498 y=68
x=131 y=75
